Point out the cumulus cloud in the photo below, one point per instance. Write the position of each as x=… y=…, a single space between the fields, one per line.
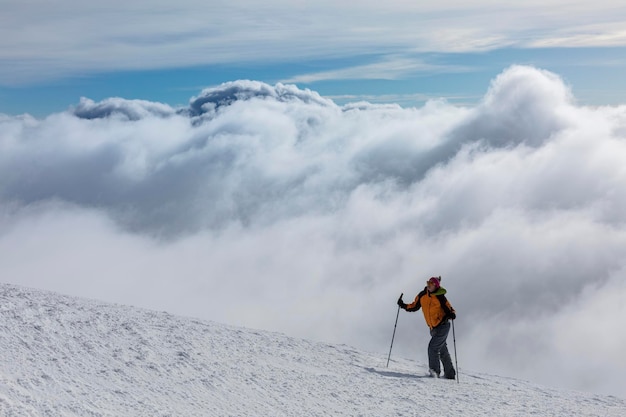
x=273 y=207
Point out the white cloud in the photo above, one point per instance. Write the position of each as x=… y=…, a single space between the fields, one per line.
x=587 y=36
x=389 y=68
x=272 y=207
x=42 y=40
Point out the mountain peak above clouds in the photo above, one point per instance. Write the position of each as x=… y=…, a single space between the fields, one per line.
x=67 y=356
x=241 y=90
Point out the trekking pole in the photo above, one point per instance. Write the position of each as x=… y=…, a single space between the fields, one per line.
x=394 y=333
x=455 y=361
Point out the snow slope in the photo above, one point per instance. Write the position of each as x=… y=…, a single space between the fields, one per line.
x=65 y=356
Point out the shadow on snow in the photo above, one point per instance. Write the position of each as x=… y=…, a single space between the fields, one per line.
x=395 y=374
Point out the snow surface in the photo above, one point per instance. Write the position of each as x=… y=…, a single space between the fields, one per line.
x=66 y=356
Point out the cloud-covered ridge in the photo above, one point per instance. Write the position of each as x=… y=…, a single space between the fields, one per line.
x=226 y=94
x=119 y=107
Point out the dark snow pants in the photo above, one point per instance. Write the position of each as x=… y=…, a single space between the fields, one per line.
x=438 y=351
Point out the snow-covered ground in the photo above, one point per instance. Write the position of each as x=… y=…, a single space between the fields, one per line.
x=65 y=356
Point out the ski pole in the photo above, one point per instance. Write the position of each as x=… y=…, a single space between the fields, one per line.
x=455 y=361
x=394 y=333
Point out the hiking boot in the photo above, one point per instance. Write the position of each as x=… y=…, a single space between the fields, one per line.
x=433 y=374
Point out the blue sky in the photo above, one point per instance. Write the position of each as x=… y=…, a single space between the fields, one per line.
x=51 y=55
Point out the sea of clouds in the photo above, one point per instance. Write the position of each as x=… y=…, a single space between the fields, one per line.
x=272 y=207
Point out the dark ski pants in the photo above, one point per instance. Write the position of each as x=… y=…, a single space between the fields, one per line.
x=438 y=351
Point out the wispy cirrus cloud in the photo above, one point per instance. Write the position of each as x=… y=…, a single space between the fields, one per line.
x=387 y=68
x=41 y=40
x=584 y=37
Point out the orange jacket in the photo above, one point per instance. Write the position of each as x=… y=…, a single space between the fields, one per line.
x=435 y=306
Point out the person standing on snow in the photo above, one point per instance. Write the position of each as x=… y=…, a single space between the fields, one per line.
x=437 y=312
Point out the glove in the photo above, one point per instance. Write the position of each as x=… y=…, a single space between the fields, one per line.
x=401 y=303
x=451 y=315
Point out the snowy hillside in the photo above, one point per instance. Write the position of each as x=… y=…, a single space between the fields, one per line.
x=64 y=356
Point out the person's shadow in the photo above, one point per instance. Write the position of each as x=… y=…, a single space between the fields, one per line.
x=393 y=374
